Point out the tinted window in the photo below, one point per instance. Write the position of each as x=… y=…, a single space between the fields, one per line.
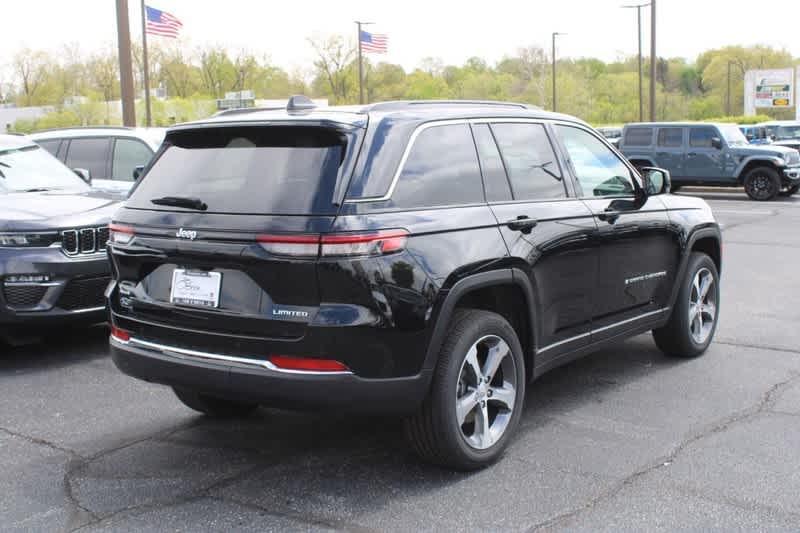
x=129 y=154
x=441 y=169
x=51 y=145
x=91 y=154
x=599 y=171
x=530 y=161
x=670 y=137
x=701 y=137
x=259 y=170
x=639 y=136
x=495 y=180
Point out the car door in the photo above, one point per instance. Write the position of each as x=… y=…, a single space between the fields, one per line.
x=545 y=227
x=704 y=162
x=92 y=154
x=636 y=250
x=669 y=150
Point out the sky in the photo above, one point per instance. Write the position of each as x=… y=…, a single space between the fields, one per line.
x=447 y=29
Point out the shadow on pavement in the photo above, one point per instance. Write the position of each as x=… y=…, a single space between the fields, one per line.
x=56 y=347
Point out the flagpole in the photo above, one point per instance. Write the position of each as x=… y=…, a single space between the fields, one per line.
x=146 y=79
x=360 y=67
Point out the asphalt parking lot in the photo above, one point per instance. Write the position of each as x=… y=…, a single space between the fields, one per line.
x=623 y=440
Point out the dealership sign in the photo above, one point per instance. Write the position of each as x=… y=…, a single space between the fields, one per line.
x=774 y=88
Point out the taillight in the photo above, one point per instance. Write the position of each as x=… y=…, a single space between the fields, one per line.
x=120 y=334
x=375 y=243
x=335 y=244
x=119 y=234
x=290 y=245
x=305 y=364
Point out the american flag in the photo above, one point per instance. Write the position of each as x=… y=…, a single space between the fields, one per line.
x=373 y=42
x=161 y=23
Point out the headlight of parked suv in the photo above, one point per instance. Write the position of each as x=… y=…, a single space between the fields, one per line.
x=16 y=240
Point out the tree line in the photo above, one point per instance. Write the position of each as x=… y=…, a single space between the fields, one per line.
x=597 y=91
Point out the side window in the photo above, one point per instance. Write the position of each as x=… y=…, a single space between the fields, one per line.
x=599 y=171
x=91 y=154
x=670 y=137
x=701 y=137
x=51 y=145
x=441 y=169
x=129 y=154
x=530 y=161
x=495 y=180
x=638 y=136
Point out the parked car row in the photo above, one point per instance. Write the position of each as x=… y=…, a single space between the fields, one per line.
x=423 y=259
x=716 y=155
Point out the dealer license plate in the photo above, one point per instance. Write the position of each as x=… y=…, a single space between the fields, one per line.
x=194 y=287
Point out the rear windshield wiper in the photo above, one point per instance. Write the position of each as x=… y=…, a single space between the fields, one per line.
x=180 y=201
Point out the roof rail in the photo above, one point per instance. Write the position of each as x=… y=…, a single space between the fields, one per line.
x=105 y=127
x=400 y=104
x=244 y=110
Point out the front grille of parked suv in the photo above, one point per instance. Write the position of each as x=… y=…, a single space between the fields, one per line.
x=23 y=296
x=84 y=240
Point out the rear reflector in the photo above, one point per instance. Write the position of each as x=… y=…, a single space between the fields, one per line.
x=335 y=244
x=120 y=234
x=285 y=362
x=120 y=334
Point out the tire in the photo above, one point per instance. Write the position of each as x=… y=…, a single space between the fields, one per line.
x=436 y=432
x=212 y=406
x=790 y=191
x=683 y=336
x=762 y=184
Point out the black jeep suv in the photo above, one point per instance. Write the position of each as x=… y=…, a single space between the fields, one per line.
x=428 y=259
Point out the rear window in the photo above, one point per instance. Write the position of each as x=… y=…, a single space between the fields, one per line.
x=639 y=136
x=248 y=170
x=670 y=137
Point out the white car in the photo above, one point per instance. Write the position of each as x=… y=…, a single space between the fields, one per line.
x=108 y=155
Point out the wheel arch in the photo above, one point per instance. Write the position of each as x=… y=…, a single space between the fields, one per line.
x=707 y=240
x=507 y=292
x=752 y=162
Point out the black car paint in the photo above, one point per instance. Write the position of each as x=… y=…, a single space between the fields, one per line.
x=385 y=317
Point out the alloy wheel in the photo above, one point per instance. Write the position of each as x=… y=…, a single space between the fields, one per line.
x=486 y=392
x=702 y=306
x=760 y=186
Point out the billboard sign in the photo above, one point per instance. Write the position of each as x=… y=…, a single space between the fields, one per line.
x=774 y=88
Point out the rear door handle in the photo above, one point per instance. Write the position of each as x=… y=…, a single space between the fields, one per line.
x=522 y=223
x=662 y=153
x=691 y=154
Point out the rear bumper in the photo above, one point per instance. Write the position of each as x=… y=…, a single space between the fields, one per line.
x=254 y=381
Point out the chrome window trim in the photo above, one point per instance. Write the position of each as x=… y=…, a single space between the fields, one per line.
x=447 y=122
x=598 y=330
x=184 y=353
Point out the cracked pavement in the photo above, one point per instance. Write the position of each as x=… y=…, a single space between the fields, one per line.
x=626 y=439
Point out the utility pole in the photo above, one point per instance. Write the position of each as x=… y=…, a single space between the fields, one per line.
x=639 y=35
x=555 y=34
x=653 y=59
x=360 y=63
x=728 y=95
x=146 y=76
x=125 y=71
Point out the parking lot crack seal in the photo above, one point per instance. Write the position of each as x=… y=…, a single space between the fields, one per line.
x=758 y=347
x=768 y=398
x=41 y=442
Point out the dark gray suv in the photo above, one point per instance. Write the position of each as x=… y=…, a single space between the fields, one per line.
x=713 y=155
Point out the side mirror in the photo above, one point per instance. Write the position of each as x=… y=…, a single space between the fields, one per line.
x=716 y=142
x=656 y=180
x=137 y=172
x=83 y=174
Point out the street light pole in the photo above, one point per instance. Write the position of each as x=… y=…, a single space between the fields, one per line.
x=653 y=59
x=639 y=35
x=554 y=69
